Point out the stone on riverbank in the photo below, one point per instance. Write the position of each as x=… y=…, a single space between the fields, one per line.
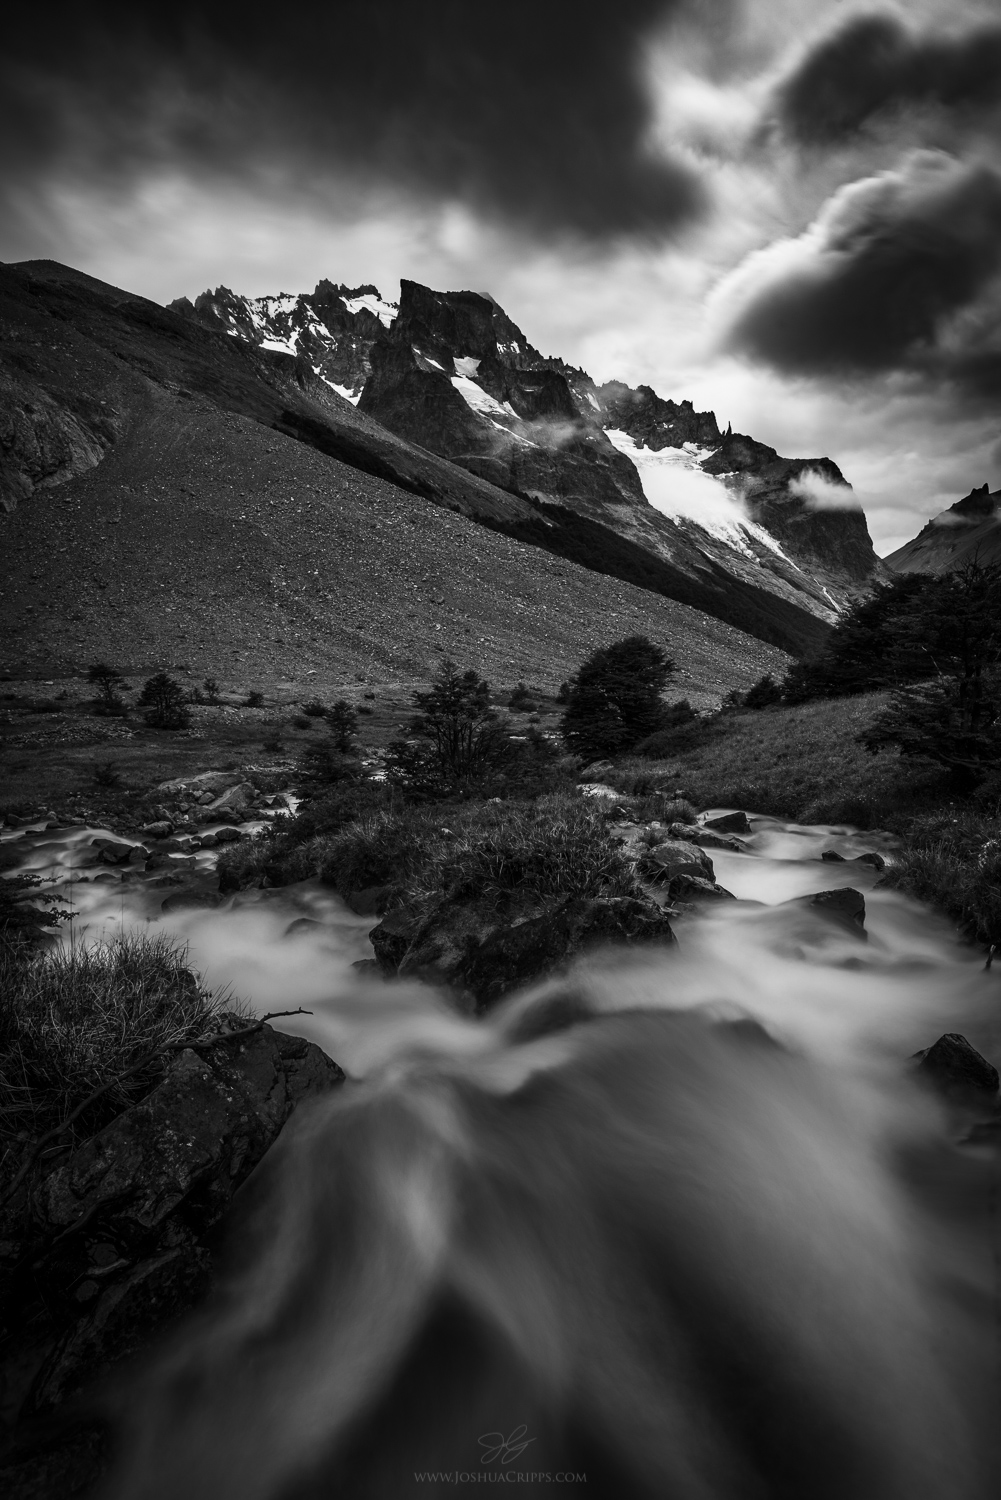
x=100 y=1252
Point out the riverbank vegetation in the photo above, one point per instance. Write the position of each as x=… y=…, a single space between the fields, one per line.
x=77 y=1019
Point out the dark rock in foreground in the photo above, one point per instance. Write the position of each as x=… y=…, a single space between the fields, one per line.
x=105 y=1249
x=958 y=1071
x=481 y=957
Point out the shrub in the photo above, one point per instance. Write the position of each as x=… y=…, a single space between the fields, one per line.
x=22 y=920
x=254 y=699
x=521 y=700
x=106 y=774
x=660 y=807
x=300 y=721
x=454 y=741
x=164 y=700
x=563 y=693
x=314 y=709
x=211 y=689
x=764 y=693
x=499 y=853
x=335 y=808
x=954 y=863
x=615 y=700
x=865 y=650
x=342 y=721
x=73 y=1019
x=108 y=682
x=273 y=744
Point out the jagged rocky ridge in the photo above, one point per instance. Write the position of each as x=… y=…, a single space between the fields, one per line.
x=452 y=372
x=443 y=397
x=969 y=529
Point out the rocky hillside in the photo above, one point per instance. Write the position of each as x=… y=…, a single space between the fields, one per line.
x=179 y=497
x=967 y=530
x=452 y=372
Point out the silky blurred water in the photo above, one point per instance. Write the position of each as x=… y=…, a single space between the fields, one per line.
x=684 y=1212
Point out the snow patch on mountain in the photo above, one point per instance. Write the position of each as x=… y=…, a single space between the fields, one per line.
x=480 y=400
x=674 y=484
x=384 y=311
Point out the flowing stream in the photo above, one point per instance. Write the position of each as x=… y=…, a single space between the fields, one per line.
x=714 y=1244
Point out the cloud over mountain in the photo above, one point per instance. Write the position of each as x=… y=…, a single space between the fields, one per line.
x=898 y=271
x=533 y=113
x=873 y=65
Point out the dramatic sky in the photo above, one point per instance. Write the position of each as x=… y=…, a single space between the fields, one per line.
x=786 y=210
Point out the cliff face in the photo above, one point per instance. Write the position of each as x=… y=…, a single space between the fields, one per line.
x=831 y=543
x=455 y=374
x=968 y=530
x=444 y=396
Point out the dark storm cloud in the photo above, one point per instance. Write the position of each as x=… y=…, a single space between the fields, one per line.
x=899 y=271
x=873 y=64
x=534 y=110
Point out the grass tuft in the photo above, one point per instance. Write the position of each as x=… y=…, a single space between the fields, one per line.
x=73 y=1019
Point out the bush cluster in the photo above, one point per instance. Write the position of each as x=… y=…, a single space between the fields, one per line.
x=75 y=1018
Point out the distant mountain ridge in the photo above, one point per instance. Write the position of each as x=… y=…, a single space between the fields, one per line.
x=451 y=371
x=970 y=529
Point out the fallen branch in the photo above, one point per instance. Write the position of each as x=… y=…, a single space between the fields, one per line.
x=144 y=1062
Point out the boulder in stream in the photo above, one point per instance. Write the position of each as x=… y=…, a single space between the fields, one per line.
x=481 y=956
x=958 y=1071
x=845 y=907
x=735 y=822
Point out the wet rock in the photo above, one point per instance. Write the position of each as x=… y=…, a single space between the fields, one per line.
x=117 y=1234
x=206 y=799
x=958 y=1071
x=676 y=857
x=238 y=800
x=686 y=889
x=704 y=839
x=173 y=862
x=370 y=902
x=870 y=857
x=302 y=924
x=208 y=840
x=845 y=907
x=832 y=857
x=227 y=835
x=214 y=782
x=159 y=830
x=111 y=851
x=596 y=770
x=735 y=822
x=481 y=957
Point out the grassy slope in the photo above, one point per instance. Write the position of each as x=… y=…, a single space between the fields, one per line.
x=800 y=762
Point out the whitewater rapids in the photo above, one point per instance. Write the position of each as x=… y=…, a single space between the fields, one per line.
x=679 y=1225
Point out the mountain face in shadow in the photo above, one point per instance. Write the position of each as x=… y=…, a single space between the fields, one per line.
x=969 y=530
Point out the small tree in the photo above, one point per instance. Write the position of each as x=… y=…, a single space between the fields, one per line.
x=521 y=699
x=453 y=740
x=342 y=721
x=164 y=700
x=108 y=682
x=764 y=693
x=615 y=698
x=211 y=687
x=953 y=717
x=563 y=693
